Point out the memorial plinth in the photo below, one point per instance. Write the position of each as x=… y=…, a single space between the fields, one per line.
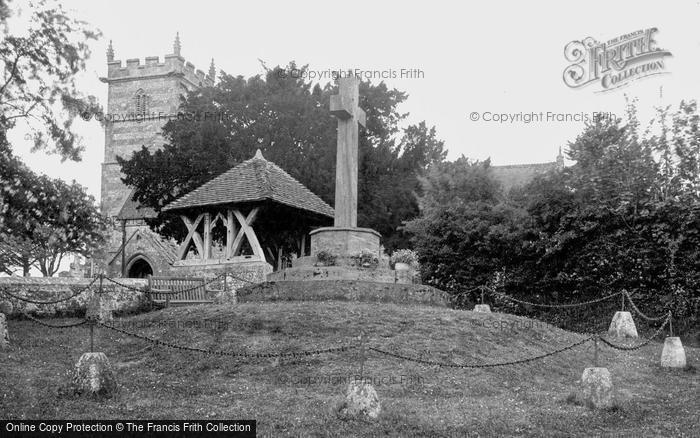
x=344 y=241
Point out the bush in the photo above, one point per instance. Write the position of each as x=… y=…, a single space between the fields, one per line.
x=366 y=259
x=326 y=258
x=407 y=256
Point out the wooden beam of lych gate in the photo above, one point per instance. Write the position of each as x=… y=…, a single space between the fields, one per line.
x=247 y=231
x=191 y=234
x=230 y=232
x=207 y=236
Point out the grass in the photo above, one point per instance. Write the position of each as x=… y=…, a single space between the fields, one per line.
x=299 y=397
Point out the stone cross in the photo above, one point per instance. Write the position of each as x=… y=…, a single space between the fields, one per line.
x=344 y=107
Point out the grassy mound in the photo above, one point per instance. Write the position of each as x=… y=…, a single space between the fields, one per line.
x=300 y=396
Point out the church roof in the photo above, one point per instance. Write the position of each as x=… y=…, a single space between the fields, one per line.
x=134 y=210
x=166 y=249
x=253 y=180
x=518 y=175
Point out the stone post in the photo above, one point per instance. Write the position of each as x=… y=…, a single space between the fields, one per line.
x=4 y=336
x=597 y=387
x=622 y=326
x=673 y=354
x=93 y=376
x=482 y=308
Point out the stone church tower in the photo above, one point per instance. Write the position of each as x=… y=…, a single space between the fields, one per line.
x=141 y=99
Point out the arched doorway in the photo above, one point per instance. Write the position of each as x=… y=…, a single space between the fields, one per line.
x=139 y=268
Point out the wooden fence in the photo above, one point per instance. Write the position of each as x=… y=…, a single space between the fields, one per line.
x=193 y=289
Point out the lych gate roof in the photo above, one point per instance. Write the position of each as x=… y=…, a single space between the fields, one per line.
x=253 y=180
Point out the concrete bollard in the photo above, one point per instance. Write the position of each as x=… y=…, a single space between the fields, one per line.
x=4 y=336
x=673 y=354
x=93 y=376
x=361 y=401
x=482 y=308
x=597 y=387
x=622 y=326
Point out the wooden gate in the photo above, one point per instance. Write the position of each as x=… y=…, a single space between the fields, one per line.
x=192 y=290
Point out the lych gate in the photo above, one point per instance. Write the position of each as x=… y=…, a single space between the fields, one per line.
x=252 y=215
x=238 y=226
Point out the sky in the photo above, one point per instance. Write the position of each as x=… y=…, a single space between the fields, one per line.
x=480 y=58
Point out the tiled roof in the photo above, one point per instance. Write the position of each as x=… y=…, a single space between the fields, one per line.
x=134 y=210
x=253 y=180
x=518 y=175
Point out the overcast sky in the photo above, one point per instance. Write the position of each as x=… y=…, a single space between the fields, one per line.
x=499 y=57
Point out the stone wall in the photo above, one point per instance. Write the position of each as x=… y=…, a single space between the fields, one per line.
x=344 y=290
x=255 y=270
x=325 y=273
x=52 y=288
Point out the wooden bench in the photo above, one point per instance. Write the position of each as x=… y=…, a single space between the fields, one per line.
x=193 y=290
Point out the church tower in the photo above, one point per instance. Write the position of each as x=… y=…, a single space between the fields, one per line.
x=140 y=100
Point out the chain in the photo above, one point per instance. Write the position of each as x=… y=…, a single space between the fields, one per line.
x=636 y=347
x=460 y=294
x=132 y=288
x=46 y=324
x=27 y=300
x=487 y=365
x=558 y=306
x=235 y=277
x=636 y=309
x=229 y=353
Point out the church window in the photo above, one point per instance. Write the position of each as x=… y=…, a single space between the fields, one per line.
x=140 y=103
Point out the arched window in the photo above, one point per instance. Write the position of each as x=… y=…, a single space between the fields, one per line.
x=140 y=106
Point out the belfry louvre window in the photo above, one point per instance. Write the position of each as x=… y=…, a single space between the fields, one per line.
x=140 y=107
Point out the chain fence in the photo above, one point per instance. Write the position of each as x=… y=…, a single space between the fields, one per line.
x=377 y=349
x=555 y=306
x=643 y=344
x=486 y=365
x=244 y=354
x=639 y=312
x=56 y=326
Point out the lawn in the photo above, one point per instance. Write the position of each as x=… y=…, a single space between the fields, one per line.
x=299 y=397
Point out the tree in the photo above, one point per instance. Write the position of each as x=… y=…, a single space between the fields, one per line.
x=464 y=235
x=286 y=118
x=43 y=219
x=624 y=216
x=39 y=65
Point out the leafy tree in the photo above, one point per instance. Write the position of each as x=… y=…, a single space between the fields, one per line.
x=288 y=119
x=39 y=65
x=43 y=219
x=464 y=235
x=624 y=216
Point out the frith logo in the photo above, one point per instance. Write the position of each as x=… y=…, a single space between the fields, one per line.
x=614 y=63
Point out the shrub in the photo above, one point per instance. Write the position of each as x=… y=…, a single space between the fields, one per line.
x=326 y=258
x=366 y=259
x=407 y=256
